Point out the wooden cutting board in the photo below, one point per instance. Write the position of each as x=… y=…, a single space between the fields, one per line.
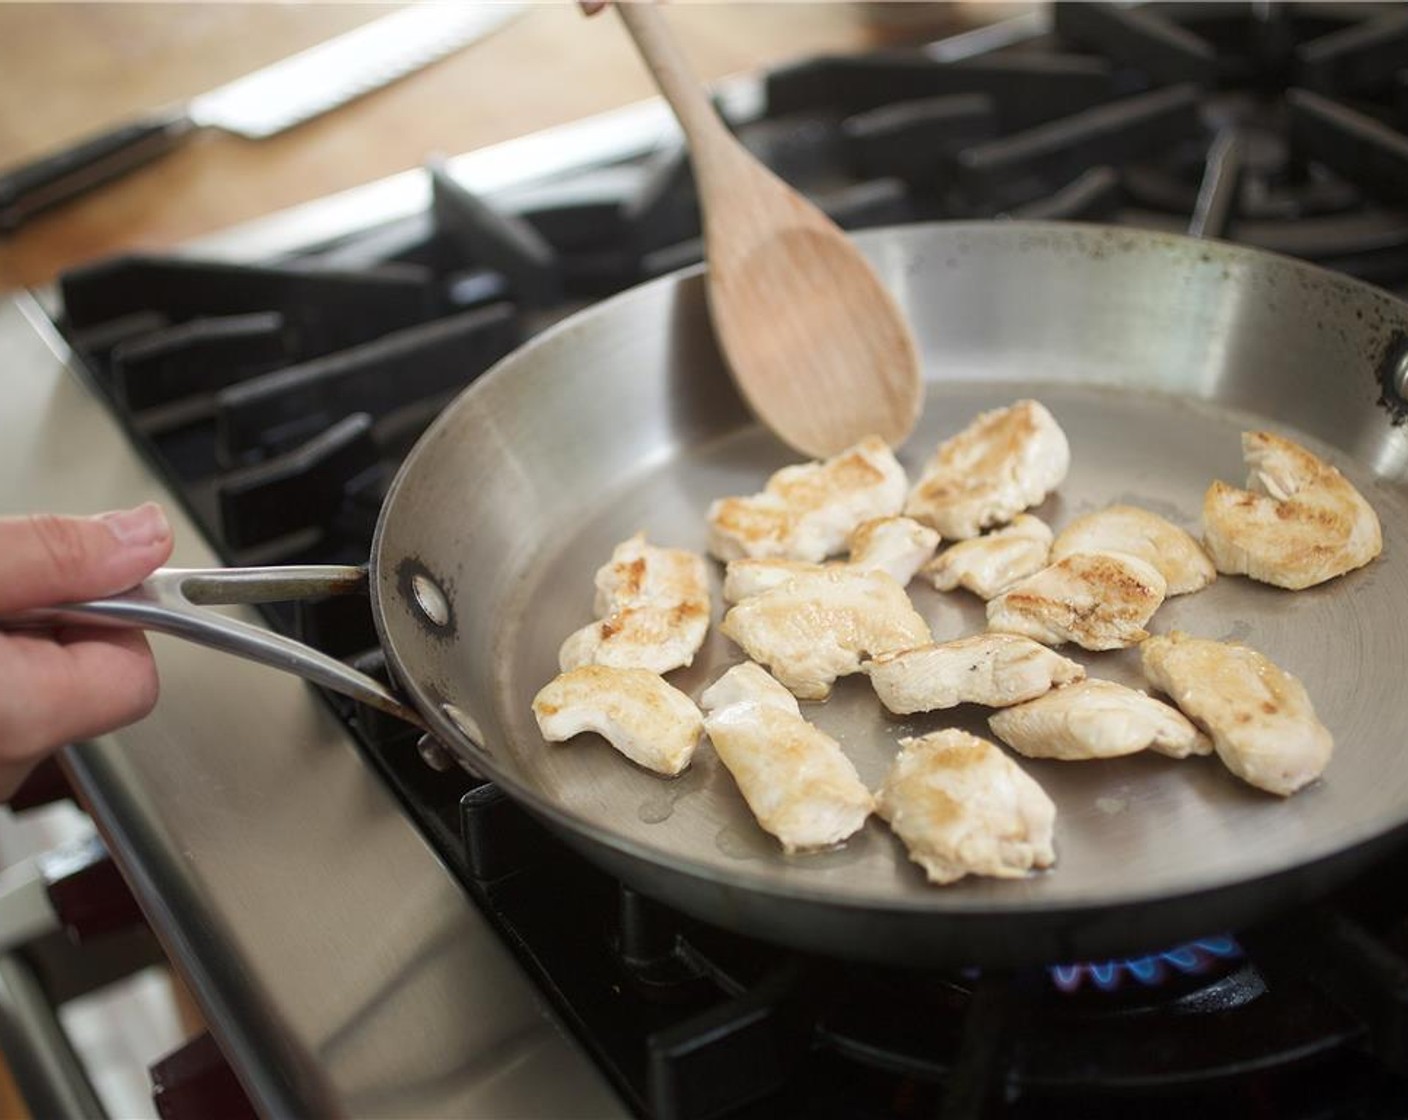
x=71 y=69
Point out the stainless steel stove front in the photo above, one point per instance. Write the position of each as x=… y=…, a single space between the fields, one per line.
x=341 y=968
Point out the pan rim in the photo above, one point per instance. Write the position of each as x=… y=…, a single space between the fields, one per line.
x=935 y=900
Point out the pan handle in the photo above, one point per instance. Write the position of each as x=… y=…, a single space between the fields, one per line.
x=171 y=601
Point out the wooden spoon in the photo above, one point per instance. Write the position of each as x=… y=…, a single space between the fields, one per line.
x=817 y=347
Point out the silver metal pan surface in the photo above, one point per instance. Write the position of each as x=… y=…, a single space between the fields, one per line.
x=1154 y=352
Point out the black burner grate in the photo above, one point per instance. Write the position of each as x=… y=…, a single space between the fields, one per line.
x=693 y=1022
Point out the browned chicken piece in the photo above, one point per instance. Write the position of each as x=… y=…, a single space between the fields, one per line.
x=795 y=778
x=1005 y=461
x=1299 y=522
x=1099 y=600
x=1179 y=558
x=1260 y=718
x=962 y=807
x=807 y=512
x=1097 y=719
x=818 y=625
x=896 y=545
x=753 y=576
x=991 y=669
x=653 y=607
x=645 y=718
x=986 y=565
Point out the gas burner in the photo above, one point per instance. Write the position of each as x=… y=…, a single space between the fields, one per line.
x=694 y=1022
x=1152 y=970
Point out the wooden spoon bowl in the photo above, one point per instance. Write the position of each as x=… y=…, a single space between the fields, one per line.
x=817 y=346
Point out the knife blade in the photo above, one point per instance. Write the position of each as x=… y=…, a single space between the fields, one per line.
x=260 y=104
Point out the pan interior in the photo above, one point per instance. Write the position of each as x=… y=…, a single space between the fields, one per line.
x=1154 y=352
x=1139 y=826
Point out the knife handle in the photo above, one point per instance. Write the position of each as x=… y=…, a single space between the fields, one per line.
x=52 y=179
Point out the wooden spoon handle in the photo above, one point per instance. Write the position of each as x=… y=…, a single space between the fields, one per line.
x=710 y=142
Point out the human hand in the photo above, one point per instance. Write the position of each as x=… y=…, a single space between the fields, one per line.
x=72 y=682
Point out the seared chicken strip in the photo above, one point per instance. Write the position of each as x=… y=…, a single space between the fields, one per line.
x=643 y=574
x=962 y=807
x=1299 y=522
x=1097 y=719
x=987 y=564
x=648 y=720
x=807 y=511
x=991 y=669
x=1005 y=461
x=896 y=545
x=1099 y=600
x=653 y=607
x=1179 y=558
x=1259 y=716
x=798 y=783
x=818 y=625
x=749 y=576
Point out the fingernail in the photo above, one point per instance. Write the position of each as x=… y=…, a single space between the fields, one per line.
x=136 y=527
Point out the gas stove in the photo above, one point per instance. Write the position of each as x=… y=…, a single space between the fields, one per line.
x=462 y=961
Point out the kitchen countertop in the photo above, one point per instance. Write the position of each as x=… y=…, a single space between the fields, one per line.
x=70 y=69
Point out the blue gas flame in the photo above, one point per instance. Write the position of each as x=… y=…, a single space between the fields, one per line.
x=1151 y=970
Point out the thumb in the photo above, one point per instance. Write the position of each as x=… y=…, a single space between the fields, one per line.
x=45 y=560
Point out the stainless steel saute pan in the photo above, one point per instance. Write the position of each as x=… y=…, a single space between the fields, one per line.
x=1154 y=352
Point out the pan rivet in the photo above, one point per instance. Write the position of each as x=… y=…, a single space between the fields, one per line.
x=1400 y=376
x=434 y=755
x=430 y=599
